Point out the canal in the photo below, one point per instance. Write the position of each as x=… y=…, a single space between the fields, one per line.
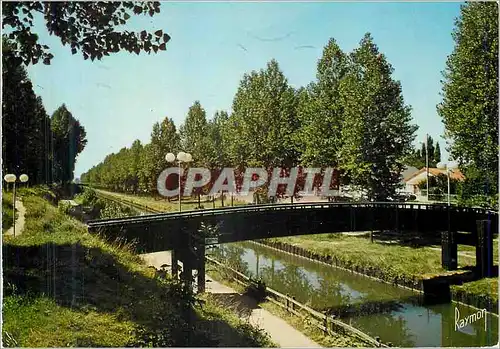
x=394 y=314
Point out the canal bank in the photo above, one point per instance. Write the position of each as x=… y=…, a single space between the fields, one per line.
x=280 y=332
x=442 y=286
x=394 y=314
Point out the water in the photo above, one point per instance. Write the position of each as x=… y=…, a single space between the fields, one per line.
x=395 y=315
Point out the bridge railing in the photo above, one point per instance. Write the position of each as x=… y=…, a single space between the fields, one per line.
x=279 y=207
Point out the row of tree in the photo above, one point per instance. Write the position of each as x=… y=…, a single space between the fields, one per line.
x=352 y=117
x=43 y=147
x=418 y=158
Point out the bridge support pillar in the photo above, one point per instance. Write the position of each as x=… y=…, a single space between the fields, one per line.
x=187 y=269
x=484 y=248
x=175 y=263
x=449 y=250
x=201 y=268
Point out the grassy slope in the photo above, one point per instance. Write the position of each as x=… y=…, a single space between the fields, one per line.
x=7 y=212
x=421 y=262
x=65 y=287
x=166 y=206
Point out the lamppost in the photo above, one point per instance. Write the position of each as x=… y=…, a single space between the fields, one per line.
x=450 y=166
x=11 y=178
x=426 y=161
x=181 y=157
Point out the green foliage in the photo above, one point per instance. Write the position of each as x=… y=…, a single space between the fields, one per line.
x=439 y=184
x=418 y=159
x=113 y=210
x=88 y=197
x=263 y=121
x=64 y=206
x=470 y=97
x=69 y=141
x=88 y=28
x=26 y=140
x=377 y=132
x=321 y=112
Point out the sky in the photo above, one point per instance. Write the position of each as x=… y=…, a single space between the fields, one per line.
x=119 y=98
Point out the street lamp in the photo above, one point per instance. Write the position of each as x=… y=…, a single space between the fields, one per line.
x=450 y=166
x=426 y=161
x=11 y=178
x=181 y=157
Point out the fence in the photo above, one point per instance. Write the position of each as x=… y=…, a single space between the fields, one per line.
x=327 y=324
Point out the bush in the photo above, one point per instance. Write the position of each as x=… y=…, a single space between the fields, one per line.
x=64 y=207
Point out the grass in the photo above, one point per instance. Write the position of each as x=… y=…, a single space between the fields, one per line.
x=311 y=331
x=394 y=259
x=486 y=286
x=166 y=206
x=66 y=287
x=7 y=211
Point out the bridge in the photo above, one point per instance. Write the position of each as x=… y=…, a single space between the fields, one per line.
x=185 y=232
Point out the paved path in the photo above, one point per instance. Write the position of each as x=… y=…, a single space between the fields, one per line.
x=21 y=210
x=280 y=331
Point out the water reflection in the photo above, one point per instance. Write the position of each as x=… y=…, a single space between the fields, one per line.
x=395 y=315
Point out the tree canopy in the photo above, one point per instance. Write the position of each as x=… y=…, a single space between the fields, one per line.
x=469 y=109
x=33 y=143
x=86 y=27
x=352 y=118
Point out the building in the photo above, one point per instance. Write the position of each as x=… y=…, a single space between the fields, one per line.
x=408 y=171
x=412 y=181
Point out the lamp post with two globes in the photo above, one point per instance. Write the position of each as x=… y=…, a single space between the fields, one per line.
x=11 y=178
x=450 y=166
x=181 y=157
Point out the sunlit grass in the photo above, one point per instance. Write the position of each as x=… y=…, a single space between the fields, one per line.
x=395 y=259
x=486 y=286
x=66 y=287
x=7 y=211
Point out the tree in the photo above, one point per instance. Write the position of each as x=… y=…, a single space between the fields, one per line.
x=377 y=132
x=469 y=109
x=437 y=154
x=417 y=157
x=164 y=140
x=320 y=111
x=26 y=140
x=263 y=121
x=69 y=141
x=87 y=27
x=193 y=134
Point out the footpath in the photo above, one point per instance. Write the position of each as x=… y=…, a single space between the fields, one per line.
x=19 y=223
x=281 y=333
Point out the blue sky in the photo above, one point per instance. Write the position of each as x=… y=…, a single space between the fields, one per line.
x=119 y=98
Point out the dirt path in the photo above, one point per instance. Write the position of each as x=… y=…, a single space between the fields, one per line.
x=280 y=331
x=21 y=211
